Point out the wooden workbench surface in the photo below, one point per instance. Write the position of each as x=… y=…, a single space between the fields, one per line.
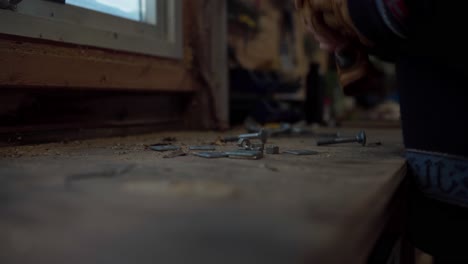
x=115 y=201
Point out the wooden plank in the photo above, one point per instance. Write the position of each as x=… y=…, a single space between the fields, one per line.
x=125 y=202
x=63 y=66
x=40 y=63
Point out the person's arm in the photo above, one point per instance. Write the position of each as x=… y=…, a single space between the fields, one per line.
x=418 y=27
x=384 y=22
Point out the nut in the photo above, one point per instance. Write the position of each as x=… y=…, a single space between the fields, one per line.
x=273 y=150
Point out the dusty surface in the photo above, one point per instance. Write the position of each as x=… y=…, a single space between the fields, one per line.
x=115 y=201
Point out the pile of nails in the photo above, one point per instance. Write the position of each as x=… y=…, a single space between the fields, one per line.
x=255 y=151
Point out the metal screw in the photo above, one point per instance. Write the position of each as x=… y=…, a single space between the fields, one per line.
x=261 y=135
x=359 y=138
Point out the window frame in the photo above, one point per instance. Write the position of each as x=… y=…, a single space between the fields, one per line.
x=76 y=25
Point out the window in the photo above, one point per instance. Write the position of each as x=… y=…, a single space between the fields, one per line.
x=151 y=27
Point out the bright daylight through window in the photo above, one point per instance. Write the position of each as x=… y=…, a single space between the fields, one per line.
x=150 y=27
x=138 y=10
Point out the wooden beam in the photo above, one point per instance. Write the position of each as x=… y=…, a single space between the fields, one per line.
x=42 y=64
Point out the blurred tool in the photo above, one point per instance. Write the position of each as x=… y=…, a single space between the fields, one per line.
x=315 y=93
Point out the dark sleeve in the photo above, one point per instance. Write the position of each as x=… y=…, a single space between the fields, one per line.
x=415 y=27
x=384 y=22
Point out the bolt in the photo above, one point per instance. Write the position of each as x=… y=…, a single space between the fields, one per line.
x=359 y=138
x=247 y=145
x=261 y=135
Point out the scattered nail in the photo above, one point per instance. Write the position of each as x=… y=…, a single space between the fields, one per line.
x=202 y=148
x=301 y=152
x=245 y=154
x=211 y=155
x=162 y=148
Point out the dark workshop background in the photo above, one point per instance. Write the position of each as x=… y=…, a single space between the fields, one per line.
x=253 y=64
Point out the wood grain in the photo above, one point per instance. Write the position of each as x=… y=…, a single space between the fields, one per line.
x=63 y=66
x=123 y=203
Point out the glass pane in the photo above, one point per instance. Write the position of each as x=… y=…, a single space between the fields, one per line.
x=138 y=10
